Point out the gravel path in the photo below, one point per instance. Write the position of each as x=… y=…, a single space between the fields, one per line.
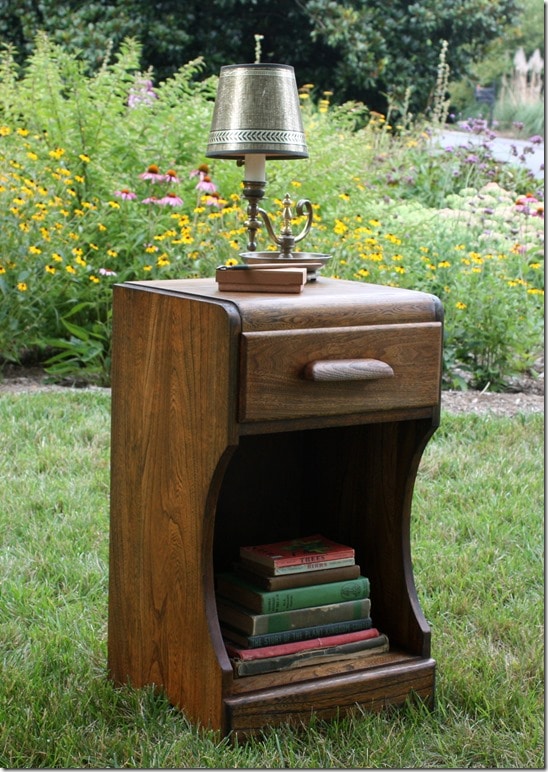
x=529 y=400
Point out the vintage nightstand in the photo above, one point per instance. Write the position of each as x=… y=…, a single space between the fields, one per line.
x=243 y=418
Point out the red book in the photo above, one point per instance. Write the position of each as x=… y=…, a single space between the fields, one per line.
x=296 y=646
x=306 y=552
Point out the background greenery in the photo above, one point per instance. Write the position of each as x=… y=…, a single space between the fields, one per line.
x=366 y=50
x=391 y=207
x=477 y=545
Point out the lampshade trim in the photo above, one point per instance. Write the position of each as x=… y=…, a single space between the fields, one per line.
x=262 y=136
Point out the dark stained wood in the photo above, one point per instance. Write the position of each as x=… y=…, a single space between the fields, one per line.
x=274 y=383
x=167 y=447
x=191 y=481
x=373 y=689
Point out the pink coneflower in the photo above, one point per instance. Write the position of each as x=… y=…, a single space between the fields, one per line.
x=126 y=194
x=214 y=199
x=106 y=272
x=171 y=176
x=152 y=174
x=150 y=200
x=200 y=172
x=206 y=184
x=170 y=199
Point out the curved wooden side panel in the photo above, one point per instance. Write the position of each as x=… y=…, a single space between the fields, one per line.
x=173 y=418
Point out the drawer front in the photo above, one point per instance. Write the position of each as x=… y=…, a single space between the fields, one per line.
x=337 y=371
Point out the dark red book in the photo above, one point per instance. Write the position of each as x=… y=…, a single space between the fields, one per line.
x=291 y=648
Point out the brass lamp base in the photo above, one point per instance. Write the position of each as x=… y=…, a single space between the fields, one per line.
x=286 y=241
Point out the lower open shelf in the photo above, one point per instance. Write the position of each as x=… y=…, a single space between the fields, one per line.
x=327 y=690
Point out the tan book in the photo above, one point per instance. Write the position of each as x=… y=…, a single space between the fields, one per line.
x=244 y=278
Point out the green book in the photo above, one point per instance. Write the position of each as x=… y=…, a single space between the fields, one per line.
x=267 y=602
x=250 y=623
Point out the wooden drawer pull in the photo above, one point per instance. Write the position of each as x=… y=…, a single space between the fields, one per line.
x=347 y=370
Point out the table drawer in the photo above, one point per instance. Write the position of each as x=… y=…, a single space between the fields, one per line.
x=334 y=371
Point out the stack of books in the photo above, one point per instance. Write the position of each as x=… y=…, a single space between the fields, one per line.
x=294 y=604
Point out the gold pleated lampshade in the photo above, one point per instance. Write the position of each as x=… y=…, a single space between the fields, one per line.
x=257 y=110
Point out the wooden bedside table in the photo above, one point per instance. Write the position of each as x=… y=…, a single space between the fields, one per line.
x=243 y=418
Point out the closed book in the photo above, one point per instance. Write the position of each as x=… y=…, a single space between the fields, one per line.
x=264 y=602
x=302 y=568
x=296 y=579
x=248 y=622
x=345 y=651
x=243 y=278
x=296 y=646
x=298 y=634
x=305 y=551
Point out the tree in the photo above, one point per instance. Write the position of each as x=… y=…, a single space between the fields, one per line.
x=365 y=50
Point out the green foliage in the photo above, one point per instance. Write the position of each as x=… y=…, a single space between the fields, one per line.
x=365 y=50
x=477 y=545
x=529 y=117
x=101 y=183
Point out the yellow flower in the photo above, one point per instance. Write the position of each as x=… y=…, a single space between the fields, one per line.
x=85 y=158
x=340 y=227
x=114 y=204
x=5 y=131
x=50 y=269
x=35 y=250
x=70 y=269
x=94 y=279
x=22 y=286
x=461 y=306
x=231 y=261
x=112 y=253
x=57 y=257
x=444 y=264
x=57 y=153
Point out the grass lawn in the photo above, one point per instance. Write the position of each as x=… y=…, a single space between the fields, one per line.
x=478 y=553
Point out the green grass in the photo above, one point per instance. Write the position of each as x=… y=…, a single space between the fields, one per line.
x=478 y=554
